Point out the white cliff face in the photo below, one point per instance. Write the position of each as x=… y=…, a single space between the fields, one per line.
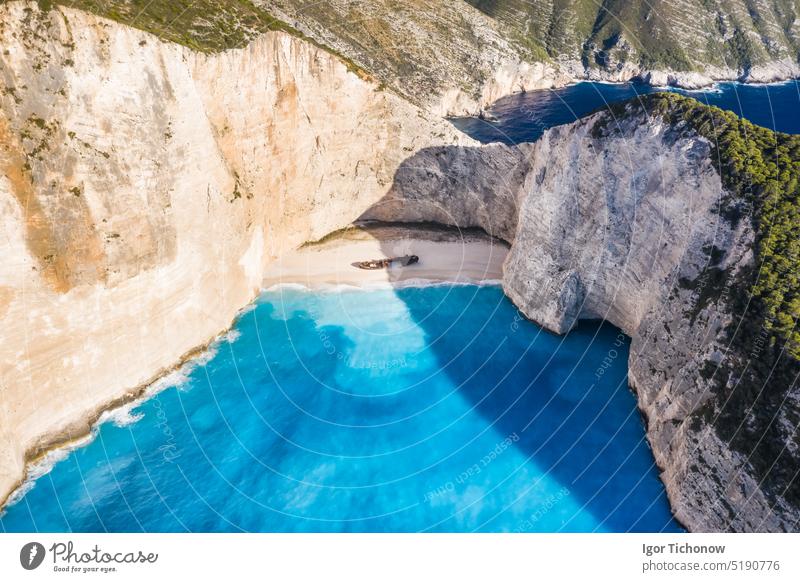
x=607 y=228
x=144 y=189
x=506 y=78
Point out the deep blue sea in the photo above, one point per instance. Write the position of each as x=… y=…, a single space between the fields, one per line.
x=525 y=116
x=419 y=409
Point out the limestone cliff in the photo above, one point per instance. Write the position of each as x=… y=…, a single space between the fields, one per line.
x=144 y=187
x=624 y=216
x=442 y=54
x=456 y=57
x=635 y=236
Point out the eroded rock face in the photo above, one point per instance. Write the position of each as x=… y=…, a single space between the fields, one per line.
x=617 y=217
x=623 y=224
x=143 y=190
x=459 y=186
x=608 y=220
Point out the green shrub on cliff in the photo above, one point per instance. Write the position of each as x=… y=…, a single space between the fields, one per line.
x=204 y=25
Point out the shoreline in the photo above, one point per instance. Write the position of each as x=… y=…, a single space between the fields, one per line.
x=351 y=241
x=83 y=432
x=775 y=72
x=560 y=74
x=485 y=111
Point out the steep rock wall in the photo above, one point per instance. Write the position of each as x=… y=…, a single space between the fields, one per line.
x=460 y=186
x=143 y=190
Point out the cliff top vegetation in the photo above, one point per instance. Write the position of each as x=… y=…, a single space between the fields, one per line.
x=683 y=36
x=207 y=26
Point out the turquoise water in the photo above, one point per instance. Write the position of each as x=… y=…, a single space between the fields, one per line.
x=418 y=409
x=525 y=116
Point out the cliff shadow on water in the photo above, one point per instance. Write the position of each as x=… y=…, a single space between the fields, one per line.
x=564 y=402
x=459 y=186
x=565 y=399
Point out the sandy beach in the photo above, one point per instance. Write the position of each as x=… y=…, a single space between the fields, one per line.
x=445 y=255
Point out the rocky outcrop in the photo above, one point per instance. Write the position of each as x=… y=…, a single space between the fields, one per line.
x=620 y=217
x=456 y=57
x=145 y=187
x=772 y=72
x=460 y=186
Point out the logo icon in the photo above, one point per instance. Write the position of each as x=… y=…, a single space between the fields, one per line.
x=31 y=555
